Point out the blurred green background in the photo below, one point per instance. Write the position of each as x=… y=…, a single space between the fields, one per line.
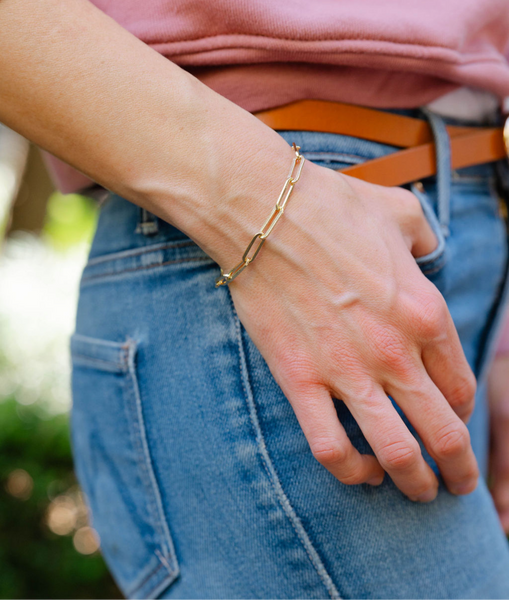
x=47 y=546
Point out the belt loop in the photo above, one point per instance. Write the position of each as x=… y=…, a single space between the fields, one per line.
x=147 y=225
x=443 y=159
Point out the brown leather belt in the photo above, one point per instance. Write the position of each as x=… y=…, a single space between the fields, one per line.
x=469 y=145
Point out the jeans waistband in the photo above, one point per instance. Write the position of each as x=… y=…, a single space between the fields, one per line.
x=318 y=143
x=441 y=138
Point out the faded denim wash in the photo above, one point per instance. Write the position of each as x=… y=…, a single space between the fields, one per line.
x=200 y=480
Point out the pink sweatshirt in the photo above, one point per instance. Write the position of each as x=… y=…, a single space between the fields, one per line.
x=380 y=53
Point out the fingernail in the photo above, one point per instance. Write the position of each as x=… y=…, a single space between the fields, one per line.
x=428 y=496
x=377 y=480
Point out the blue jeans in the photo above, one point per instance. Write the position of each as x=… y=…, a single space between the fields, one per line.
x=200 y=481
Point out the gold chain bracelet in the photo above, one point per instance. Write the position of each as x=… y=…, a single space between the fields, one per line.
x=268 y=226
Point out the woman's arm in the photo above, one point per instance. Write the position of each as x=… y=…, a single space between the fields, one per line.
x=335 y=302
x=82 y=87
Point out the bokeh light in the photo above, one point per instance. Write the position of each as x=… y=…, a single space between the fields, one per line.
x=86 y=540
x=68 y=512
x=20 y=484
x=48 y=548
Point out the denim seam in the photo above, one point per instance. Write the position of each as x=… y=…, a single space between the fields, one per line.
x=98 y=342
x=443 y=166
x=271 y=471
x=436 y=260
x=99 y=362
x=140 y=251
x=160 y=524
x=440 y=256
x=145 y=267
x=147 y=463
x=148 y=577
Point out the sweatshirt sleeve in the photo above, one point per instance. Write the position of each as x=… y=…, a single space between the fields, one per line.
x=503 y=344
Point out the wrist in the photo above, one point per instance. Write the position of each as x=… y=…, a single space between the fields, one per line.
x=231 y=185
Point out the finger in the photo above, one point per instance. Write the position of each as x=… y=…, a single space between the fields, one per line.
x=425 y=243
x=444 y=435
x=500 y=467
x=328 y=440
x=435 y=333
x=504 y=520
x=447 y=366
x=396 y=448
x=425 y=240
x=413 y=224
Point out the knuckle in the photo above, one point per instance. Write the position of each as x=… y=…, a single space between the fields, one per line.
x=452 y=441
x=412 y=205
x=408 y=209
x=298 y=372
x=399 y=455
x=329 y=453
x=408 y=202
x=363 y=391
x=427 y=315
x=463 y=391
x=358 y=388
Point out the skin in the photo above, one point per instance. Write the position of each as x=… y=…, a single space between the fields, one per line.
x=498 y=395
x=334 y=302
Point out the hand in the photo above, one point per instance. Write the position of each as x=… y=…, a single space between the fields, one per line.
x=337 y=305
x=498 y=396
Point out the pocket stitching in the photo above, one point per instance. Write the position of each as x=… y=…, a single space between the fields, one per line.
x=99 y=363
x=86 y=279
x=145 y=463
x=167 y=558
x=139 y=251
x=270 y=469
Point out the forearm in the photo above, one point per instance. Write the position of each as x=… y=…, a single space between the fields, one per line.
x=82 y=87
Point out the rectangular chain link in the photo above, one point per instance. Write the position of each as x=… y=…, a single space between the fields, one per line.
x=260 y=237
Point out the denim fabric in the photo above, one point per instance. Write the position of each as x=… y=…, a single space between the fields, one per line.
x=200 y=480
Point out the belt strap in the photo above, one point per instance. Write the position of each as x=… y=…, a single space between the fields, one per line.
x=469 y=145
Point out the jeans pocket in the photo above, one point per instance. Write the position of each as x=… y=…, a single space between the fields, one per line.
x=432 y=263
x=114 y=467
